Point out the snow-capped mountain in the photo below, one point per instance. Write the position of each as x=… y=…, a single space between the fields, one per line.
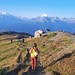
x=7 y=18
x=44 y=15
x=3 y=13
x=9 y=22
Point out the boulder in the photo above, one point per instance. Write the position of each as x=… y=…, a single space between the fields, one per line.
x=38 y=33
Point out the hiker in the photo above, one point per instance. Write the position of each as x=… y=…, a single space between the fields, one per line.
x=33 y=54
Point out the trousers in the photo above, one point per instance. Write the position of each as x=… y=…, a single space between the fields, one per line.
x=34 y=62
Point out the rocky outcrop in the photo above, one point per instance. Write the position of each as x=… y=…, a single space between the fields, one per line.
x=38 y=33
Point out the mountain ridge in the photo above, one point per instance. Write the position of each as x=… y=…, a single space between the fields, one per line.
x=13 y=23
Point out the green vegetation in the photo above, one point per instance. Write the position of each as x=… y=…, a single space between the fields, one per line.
x=52 y=35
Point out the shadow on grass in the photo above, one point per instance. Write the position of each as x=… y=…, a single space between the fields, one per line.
x=23 y=66
x=56 y=73
x=19 y=59
x=27 y=58
x=20 y=65
x=61 y=58
x=16 y=70
x=3 y=71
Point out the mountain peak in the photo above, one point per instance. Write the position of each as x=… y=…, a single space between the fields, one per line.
x=3 y=13
x=44 y=15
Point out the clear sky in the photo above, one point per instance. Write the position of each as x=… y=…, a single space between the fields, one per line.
x=33 y=8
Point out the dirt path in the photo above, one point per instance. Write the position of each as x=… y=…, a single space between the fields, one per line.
x=38 y=71
x=23 y=66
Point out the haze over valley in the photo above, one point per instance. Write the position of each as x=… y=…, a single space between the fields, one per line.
x=9 y=22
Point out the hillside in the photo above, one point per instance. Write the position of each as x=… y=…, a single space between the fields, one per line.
x=57 y=55
x=14 y=35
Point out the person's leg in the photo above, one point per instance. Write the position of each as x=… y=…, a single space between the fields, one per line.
x=34 y=63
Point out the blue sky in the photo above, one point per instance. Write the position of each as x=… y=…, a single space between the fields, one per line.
x=33 y=8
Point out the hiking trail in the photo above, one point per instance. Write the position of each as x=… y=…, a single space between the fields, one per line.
x=25 y=67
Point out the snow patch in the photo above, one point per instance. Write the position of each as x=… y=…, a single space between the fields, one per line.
x=3 y=13
x=44 y=15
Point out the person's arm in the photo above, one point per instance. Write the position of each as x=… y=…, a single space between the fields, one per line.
x=30 y=50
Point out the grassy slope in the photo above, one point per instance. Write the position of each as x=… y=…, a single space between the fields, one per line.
x=9 y=53
x=53 y=48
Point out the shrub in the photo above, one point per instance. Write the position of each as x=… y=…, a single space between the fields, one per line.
x=51 y=35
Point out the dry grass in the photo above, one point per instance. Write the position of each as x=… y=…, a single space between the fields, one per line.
x=9 y=53
x=50 y=50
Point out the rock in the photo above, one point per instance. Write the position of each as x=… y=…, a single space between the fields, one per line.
x=38 y=33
